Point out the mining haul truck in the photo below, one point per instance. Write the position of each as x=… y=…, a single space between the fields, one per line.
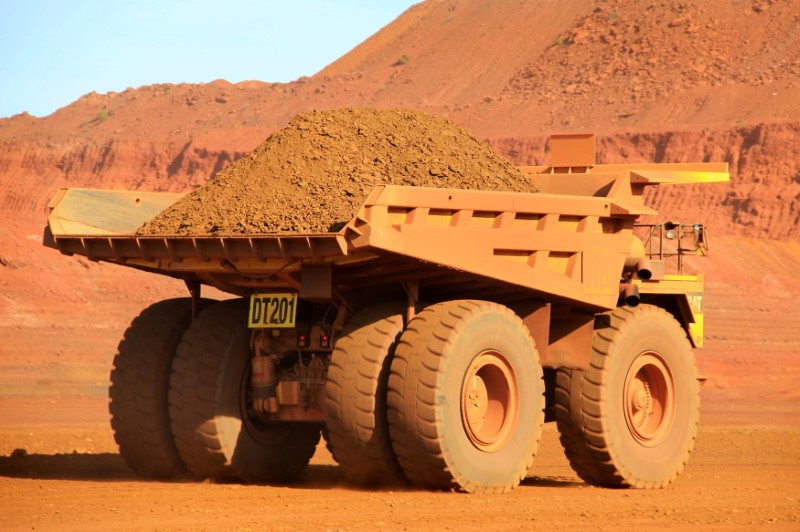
x=427 y=341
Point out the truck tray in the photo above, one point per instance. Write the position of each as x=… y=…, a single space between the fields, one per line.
x=570 y=246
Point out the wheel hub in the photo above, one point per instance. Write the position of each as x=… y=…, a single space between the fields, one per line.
x=489 y=401
x=649 y=399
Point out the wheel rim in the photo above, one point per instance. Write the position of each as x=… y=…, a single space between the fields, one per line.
x=649 y=399
x=489 y=401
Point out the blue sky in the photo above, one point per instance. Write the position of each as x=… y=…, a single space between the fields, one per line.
x=54 y=51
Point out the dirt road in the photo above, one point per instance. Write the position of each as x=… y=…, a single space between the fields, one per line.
x=743 y=474
x=53 y=385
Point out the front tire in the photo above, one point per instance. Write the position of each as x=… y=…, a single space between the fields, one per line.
x=466 y=398
x=630 y=419
x=215 y=432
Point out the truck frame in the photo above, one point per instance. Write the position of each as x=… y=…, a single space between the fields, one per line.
x=428 y=340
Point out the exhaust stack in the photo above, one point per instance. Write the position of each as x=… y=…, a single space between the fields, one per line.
x=630 y=294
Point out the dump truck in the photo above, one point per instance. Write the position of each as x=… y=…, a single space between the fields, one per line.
x=427 y=341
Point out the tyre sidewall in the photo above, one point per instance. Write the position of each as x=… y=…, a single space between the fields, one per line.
x=244 y=446
x=228 y=414
x=652 y=333
x=470 y=465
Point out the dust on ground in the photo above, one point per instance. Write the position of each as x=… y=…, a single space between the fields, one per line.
x=313 y=175
x=59 y=468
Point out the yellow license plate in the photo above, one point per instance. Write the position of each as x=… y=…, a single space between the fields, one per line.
x=272 y=311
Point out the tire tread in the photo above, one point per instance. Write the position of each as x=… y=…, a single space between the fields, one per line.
x=355 y=391
x=581 y=415
x=139 y=387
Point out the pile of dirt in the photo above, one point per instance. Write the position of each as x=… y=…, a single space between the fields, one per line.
x=313 y=175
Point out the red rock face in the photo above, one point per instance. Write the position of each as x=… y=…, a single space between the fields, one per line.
x=762 y=200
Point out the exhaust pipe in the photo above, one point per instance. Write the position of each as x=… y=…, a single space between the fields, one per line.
x=630 y=294
x=644 y=270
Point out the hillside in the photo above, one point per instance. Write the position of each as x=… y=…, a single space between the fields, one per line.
x=526 y=70
x=698 y=80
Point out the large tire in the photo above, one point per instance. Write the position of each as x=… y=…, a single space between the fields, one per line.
x=630 y=419
x=139 y=386
x=466 y=398
x=215 y=434
x=356 y=396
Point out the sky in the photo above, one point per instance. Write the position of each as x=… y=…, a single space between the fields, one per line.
x=54 y=51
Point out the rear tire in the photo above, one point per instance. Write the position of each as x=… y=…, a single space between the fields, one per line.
x=215 y=433
x=139 y=386
x=630 y=419
x=466 y=398
x=356 y=396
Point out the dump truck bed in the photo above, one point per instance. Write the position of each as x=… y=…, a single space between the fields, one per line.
x=451 y=242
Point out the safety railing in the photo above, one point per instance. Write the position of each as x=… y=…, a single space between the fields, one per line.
x=670 y=242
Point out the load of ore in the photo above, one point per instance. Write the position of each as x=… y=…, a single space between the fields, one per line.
x=313 y=175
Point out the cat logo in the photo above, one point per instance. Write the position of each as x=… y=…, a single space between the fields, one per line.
x=695 y=301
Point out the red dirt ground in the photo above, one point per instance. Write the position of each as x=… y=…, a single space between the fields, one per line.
x=658 y=81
